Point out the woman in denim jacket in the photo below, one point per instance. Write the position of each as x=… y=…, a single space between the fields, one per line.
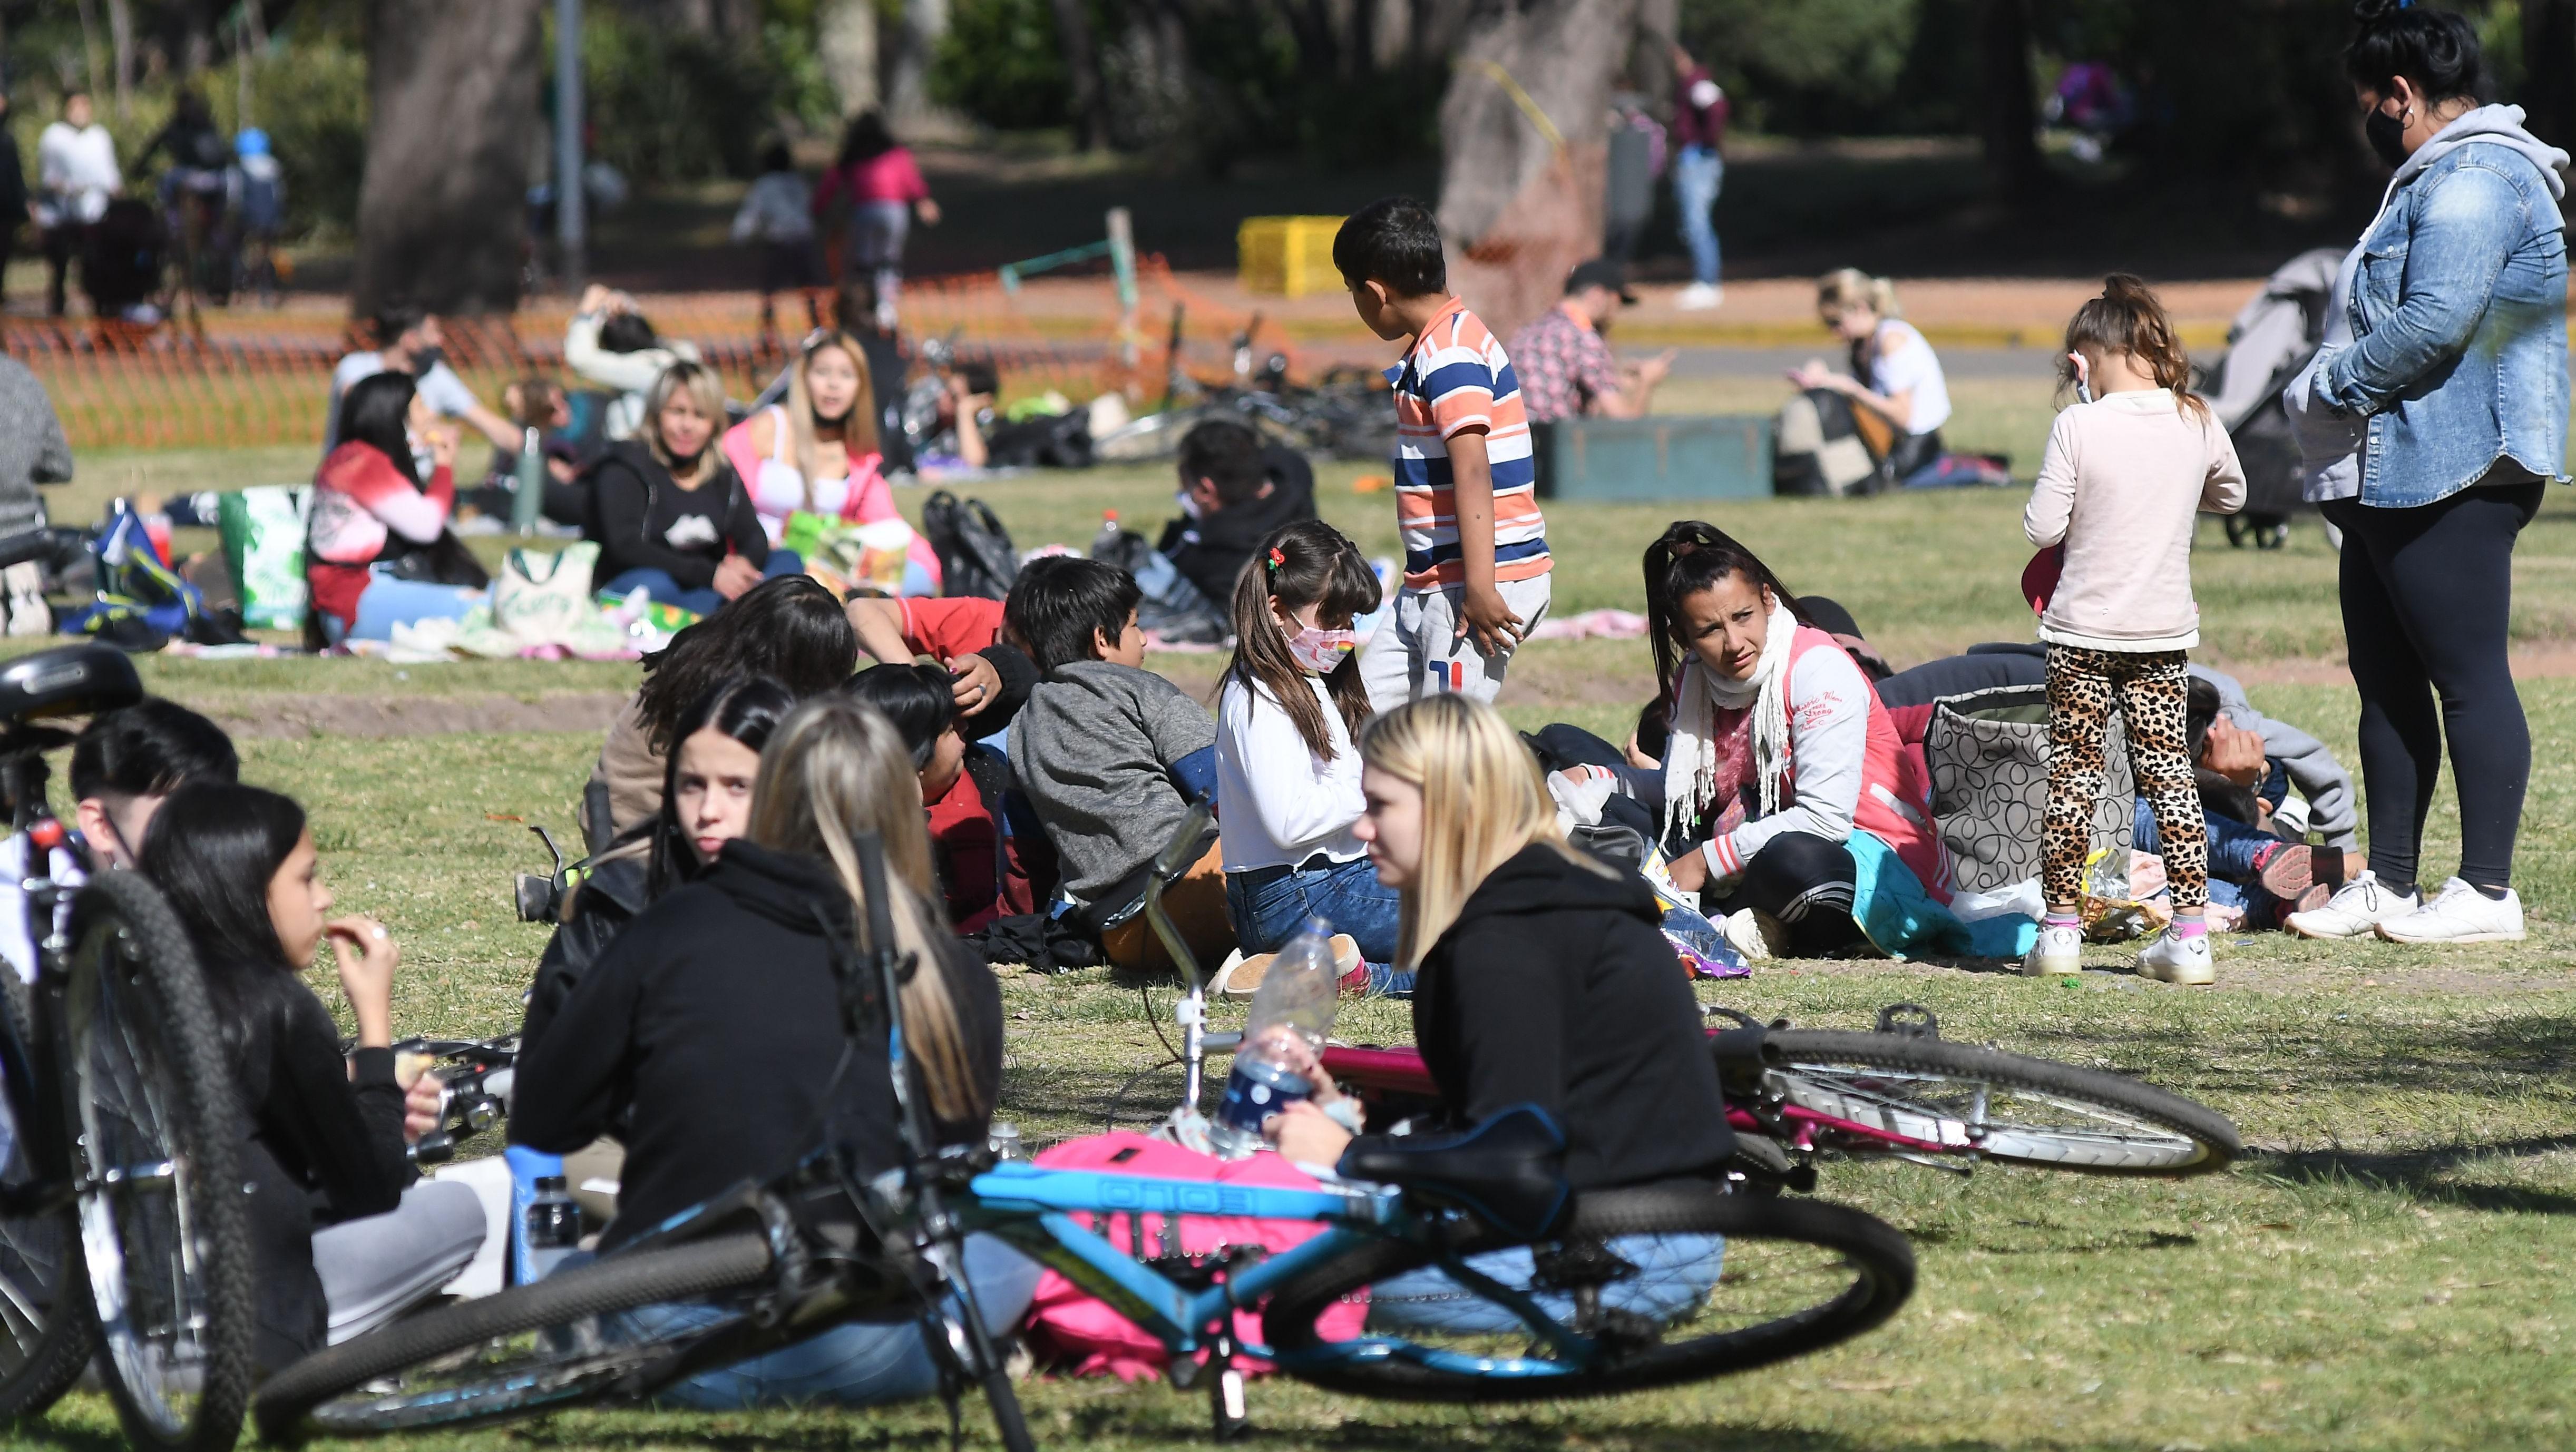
x=2430 y=422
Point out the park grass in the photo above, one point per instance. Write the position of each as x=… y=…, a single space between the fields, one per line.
x=2384 y=1271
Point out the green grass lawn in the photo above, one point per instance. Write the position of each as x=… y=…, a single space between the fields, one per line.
x=2384 y=1272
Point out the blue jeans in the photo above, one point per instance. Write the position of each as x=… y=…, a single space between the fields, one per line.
x=1697 y=174
x=2233 y=846
x=1346 y=895
x=661 y=589
x=388 y=602
x=1677 y=1273
x=856 y=1365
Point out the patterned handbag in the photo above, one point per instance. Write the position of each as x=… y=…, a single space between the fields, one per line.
x=1988 y=751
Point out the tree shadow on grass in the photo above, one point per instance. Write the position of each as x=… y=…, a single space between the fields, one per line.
x=2418 y=1174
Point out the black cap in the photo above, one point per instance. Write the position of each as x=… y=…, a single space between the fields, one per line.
x=1599 y=272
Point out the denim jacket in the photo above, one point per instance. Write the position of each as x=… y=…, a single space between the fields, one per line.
x=2458 y=311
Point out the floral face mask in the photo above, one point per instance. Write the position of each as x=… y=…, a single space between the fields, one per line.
x=1318 y=650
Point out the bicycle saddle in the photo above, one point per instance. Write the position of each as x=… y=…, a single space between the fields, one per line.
x=1508 y=1172
x=70 y=680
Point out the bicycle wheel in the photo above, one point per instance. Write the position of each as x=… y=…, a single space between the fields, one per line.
x=1155 y=436
x=2004 y=1106
x=164 y=1237
x=529 y=1349
x=1650 y=1287
x=48 y=1329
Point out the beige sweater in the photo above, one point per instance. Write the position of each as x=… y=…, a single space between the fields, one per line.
x=2120 y=483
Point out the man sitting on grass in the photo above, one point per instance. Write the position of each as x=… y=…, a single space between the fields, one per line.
x=1111 y=755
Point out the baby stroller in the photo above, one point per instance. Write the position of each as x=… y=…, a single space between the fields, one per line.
x=121 y=265
x=2271 y=339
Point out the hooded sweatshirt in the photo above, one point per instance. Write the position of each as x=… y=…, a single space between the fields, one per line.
x=1555 y=987
x=715 y=1023
x=2330 y=444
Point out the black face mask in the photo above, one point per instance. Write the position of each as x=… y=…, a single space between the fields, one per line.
x=2387 y=136
x=424 y=359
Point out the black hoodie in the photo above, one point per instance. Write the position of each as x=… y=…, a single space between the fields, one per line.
x=715 y=1022
x=1556 y=987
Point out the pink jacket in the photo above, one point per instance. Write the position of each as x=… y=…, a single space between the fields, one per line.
x=888 y=176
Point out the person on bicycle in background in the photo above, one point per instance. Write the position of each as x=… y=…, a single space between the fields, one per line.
x=125 y=763
x=193 y=192
x=712 y=1032
x=341 y=1241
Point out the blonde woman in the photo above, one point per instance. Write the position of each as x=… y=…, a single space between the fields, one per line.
x=817 y=453
x=1895 y=384
x=711 y=1030
x=669 y=514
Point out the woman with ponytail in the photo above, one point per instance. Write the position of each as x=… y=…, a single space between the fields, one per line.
x=2428 y=424
x=1895 y=376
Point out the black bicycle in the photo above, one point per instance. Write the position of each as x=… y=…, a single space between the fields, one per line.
x=123 y=1229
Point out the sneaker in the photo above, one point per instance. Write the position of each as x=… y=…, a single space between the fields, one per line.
x=1241 y=976
x=1699 y=297
x=2175 y=959
x=2059 y=950
x=2361 y=906
x=1754 y=934
x=2461 y=914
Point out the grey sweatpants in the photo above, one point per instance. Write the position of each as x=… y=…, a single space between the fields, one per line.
x=375 y=1269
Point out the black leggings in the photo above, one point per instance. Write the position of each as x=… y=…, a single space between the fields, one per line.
x=1807 y=883
x=2426 y=593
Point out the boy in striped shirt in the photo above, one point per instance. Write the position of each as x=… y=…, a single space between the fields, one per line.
x=1466 y=500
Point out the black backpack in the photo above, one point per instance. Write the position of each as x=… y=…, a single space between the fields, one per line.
x=975 y=553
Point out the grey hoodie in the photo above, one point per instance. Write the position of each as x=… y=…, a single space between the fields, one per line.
x=2329 y=445
x=1094 y=748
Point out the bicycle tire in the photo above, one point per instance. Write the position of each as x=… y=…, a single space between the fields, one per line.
x=48 y=1329
x=1149 y=438
x=334 y=1392
x=149 y=1087
x=1868 y=1272
x=2135 y=1129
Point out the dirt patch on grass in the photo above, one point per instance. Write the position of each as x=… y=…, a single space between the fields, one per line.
x=2530 y=663
x=2269 y=963
x=382 y=716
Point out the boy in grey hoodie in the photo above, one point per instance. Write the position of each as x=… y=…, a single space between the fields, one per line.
x=1111 y=756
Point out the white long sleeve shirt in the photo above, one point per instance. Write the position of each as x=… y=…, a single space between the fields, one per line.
x=1828 y=759
x=1279 y=802
x=76 y=170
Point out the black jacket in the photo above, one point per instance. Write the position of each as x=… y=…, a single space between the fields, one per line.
x=1211 y=550
x=1555 y=987
x=635 y=506
x=321 y=1146
x=614 y=894
x=715 y=1024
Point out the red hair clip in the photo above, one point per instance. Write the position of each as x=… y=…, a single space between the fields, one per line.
x=1276 y=558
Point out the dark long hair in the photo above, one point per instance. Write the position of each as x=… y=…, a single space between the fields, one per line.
x=1307 y=562
x=212 y=850
x=2436 y=49
x=2129 y=318
x=377 y=411
x=745 y=708
x=789 y=629
x=865 y=138
x=1688 y=557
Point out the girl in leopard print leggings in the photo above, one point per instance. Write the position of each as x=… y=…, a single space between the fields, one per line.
x=2125 y=473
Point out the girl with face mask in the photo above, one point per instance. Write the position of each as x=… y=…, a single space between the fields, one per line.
x=1286 y=769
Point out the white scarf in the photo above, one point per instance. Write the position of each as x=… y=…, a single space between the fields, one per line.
x=1690 y=759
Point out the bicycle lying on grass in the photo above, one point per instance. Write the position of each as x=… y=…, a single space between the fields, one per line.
x=1614 y=1290
x=122 y=1225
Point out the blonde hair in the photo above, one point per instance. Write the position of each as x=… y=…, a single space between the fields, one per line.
x=836 y=768
x=858 y=433
x=1847 y=288
x=1484 y=798
x=705 y=390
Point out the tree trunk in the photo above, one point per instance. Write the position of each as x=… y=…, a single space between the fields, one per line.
x=908 y=106
x=2549 y=69
x=120 y=36
x=847 y=41
x=89 y=46
x=442 y=212
x=1521 y=206
x=1082 y=72
x=2010 y=123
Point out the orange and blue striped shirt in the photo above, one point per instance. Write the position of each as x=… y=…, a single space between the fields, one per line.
x=1457 y=377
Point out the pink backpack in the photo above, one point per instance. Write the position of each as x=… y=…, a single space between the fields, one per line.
x=1073 y=1330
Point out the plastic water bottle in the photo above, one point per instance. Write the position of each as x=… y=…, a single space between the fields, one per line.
x=1005 y=1142
x=1107 y=545
x=554 y=1228
x=1291 y=1012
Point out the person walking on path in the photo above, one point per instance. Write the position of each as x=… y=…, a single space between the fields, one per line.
x=2429 y=424
x=76 y=169
x=877 y=179
x=1698 y=130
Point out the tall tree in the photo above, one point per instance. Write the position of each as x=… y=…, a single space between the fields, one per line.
x=2549 y=69
x=1073 y=37
x=1522 y=150
x=908 y=104
x=452 y=87
x=2008 y=120
x=846 y=39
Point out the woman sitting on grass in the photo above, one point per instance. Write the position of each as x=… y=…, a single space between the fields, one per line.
x=377 y=523
x=669 y=515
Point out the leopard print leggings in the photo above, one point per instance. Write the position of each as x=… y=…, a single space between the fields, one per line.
x=2152 y=691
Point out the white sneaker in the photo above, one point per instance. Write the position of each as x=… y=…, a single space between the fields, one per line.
x=1699 y=297
x=2059 y=950
x=1754 y=934
x=2179 y=960
x=2359 y=907
x=2461 y=914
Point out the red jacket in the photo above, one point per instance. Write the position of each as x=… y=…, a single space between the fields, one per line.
x=362 y=507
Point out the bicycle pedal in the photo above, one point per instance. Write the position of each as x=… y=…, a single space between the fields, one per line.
x=1910 y=1020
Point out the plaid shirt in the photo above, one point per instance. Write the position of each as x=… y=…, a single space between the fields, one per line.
x=1563 y=366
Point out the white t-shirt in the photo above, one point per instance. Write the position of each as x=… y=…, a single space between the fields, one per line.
x=75 y=171
x=1906 y=360
x=1283 y=803
x=440 y=388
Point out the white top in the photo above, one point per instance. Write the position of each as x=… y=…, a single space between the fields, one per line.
x=1283 y=803
x=76 y=169
x=440 y=388
x=1828 y=708
x=778 y=486
x=2120 y=484
x=778 y=208
x=1906 y=361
